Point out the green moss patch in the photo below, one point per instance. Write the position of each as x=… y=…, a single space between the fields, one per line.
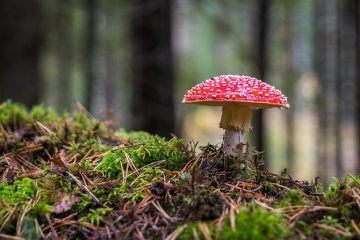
x=71 y=176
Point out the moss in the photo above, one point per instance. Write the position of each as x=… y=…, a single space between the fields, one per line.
x=191 y=231
x=292 y=197
x=339 y=194
x=44 y=115
x=122 y=169
x=135 y=136
x=95 y=216
x=29 y=229
x=151 y=149
x=86 y=145
x=255 y=223
x=250 y=224
x=13 y=114
x=19 y=197
x=133 y=188
x=19 y=193
x=82 y=122
x=331 y=193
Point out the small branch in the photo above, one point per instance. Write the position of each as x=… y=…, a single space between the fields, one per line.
x=85 y=189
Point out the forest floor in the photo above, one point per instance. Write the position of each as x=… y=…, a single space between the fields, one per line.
x=74 y=177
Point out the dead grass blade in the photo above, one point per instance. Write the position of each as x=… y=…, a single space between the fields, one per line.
x=204 y=230
x=7 y=217
x=336 y=230
x=356 y=227
x=232 y=219
x=9 y=237
x=176 y=233
x=162 y=211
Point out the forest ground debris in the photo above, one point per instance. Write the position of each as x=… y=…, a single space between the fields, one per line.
x=71 y=176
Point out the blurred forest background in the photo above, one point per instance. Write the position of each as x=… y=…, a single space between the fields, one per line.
x=132 y=61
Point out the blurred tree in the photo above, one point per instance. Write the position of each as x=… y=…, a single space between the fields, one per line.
x=357 y=62
x=152 y=66
x=21 y=39
x=260 y=62
x=358 y=81
x=326 y=67
x=65 y=53
x=289 y=79
x=90 y=6
x=347 y=76
x=337 y=67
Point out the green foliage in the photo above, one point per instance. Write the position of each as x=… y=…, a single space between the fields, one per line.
x=82 y=147
x=133 y=188
x=111 y=164
x=84 y=204
x=331 y=192
x=44 y=115
x=19 y=193
x=250 y=223
x=83 y=122
x=41 y=208
x=134 y=136
x=147 y=149
x=29 y=230
x=255 y=223
x=96 y=215
x=190 y=232
x=12 y=113
x=200 y=192
x=340 y=194
x=329 y=220
x=292 y=197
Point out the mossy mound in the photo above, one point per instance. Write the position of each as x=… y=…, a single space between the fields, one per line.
x=70 y=176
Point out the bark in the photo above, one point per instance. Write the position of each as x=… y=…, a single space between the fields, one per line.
x=326 y=67
x=357 y=9
x=64 y=46
x=261 y=64
x=347 y=74
x=152 y=67
x=90 y=6
x=289 y=77
x=21 y=38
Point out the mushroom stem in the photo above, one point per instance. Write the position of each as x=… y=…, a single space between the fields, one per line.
x=236 y=117
x=236 y=120
x=234 y=142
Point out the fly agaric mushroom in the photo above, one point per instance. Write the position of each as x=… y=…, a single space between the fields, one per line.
x=237 y=95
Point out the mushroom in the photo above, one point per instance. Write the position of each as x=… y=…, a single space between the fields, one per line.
x=237 y=95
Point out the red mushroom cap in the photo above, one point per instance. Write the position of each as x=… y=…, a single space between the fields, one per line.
x=235 y=89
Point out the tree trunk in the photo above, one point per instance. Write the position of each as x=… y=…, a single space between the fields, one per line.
x=64 y=47
x=338 y=93
x=152 y=67
x=21 y=42
x=357 y=9
x=260 y=65
x=90 y=6
x=289 y=78
x=347 y=78
x=326 y=67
